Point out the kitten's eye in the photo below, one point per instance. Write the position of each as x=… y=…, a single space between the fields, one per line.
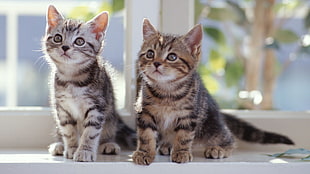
x=79 y=41
x=150 y=54
x=172 y=57
x=57 y=38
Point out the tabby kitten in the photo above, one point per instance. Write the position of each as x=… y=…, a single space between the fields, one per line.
x=81 y=90
x=175 y=110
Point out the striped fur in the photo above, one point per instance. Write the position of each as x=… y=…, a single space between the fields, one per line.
x=81 y=89
x=174 y=110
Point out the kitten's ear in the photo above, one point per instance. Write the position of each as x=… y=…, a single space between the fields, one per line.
x=99 y=24
x=148 y=29
x=193 y=38
x=53 y=17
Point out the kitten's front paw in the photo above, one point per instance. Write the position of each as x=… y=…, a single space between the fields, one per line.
x=85 y=156
x=68 y=153
x=142 y=158
x=181 y=156
x=109 y=148
x=56 y=149
x=217 y=152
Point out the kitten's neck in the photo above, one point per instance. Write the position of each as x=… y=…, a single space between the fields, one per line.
x=77 y=73
x=171 y=87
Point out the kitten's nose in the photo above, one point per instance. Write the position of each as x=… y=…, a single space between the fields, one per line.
x=65 y=48
x=157 y=64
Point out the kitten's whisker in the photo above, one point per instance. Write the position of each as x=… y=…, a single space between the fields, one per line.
x=40 y=50
x=41 y=62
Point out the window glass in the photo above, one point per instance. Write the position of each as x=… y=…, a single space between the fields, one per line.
x=32 y=70
x=256 y=54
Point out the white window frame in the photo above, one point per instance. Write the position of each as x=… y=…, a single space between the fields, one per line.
x=31 y=127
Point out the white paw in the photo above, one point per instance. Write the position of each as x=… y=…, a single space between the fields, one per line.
x=68 y=153
x=56 y=148
x=109 y=148
x=84 y=156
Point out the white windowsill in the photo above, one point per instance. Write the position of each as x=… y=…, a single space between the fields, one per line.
x=26 y=132
x=39 y=161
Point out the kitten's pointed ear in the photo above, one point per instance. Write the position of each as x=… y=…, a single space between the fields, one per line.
x=148 y=29
x=193 y=38
x=53 y=17
x=99 y=24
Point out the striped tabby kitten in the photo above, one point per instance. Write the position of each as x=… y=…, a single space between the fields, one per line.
x=81 y=90
x=175 y=110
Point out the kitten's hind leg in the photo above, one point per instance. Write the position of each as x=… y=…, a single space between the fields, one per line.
x=165 y=149
x=110 y=148
x=218 y=152
x=56 y=149
x=220 y=146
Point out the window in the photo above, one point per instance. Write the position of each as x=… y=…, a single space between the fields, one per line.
x=25 y=73
x=256 y=53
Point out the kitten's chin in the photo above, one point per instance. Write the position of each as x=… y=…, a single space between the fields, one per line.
x=69 y=60
x=157 y=77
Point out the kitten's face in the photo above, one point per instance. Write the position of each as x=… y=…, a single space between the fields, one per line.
x=167 y=58
x=71 y=42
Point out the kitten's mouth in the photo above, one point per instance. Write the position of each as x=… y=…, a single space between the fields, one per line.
x=65 y=55
x=157 y=72
x=154 y=75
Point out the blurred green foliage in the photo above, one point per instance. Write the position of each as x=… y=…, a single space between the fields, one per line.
x=225 y=65
x=216 y=34
x=286 y=36
x=86 y=12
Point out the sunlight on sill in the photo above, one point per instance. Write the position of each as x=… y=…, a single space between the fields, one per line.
x=278 y=161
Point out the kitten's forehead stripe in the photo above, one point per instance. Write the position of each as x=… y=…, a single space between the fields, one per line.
x=161 y=40
x=165 y=42
x=71 y=26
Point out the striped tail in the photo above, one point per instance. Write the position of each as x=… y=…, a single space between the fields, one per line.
x=247 y=132
x=125 y=136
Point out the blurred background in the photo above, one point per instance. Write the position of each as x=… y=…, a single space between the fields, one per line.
x=256 y=53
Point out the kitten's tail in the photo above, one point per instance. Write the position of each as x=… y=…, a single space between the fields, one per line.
x=247 y=132
x=126 y=136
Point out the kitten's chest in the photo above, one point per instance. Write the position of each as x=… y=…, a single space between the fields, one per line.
x=72 y=99
x=167 y=115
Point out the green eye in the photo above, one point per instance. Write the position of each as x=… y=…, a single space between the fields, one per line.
x=57 y=38
x=79 y=41
x=172 y=57
x=150 y=54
